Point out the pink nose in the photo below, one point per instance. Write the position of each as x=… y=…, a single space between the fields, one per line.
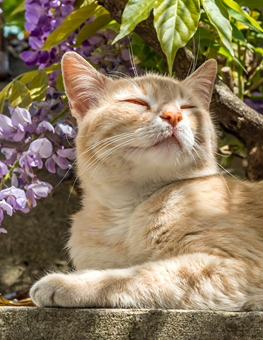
x=172 y=116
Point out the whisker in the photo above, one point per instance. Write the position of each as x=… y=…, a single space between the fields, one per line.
x=108 y=153
x=132 y=58
x=82 y=171
x=221 y=175
x=111 y=142
x=87 y=150
x=227 y=171
x=122 y=73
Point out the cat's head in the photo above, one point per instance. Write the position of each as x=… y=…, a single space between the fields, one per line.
x=144 y=128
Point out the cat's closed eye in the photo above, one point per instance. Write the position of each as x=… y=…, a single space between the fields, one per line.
x=186 y=107
x=137 y=101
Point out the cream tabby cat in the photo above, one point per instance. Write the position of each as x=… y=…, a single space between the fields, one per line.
x=159 y=227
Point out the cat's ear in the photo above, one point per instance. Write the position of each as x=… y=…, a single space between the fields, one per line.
x=202 y=81
x=83 y=84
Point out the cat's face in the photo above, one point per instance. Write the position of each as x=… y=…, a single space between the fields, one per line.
x=148 y=127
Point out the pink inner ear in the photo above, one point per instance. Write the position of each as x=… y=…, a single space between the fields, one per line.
x=202 y=81
x=73 y=75
x=83 y=84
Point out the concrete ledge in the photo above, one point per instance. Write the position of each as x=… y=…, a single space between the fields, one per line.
x=26 y=323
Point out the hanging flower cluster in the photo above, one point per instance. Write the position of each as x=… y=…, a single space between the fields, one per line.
x=44 y=16
x=39 y=137
x=39 y=143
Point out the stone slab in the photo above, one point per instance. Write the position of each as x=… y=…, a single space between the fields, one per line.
x=32 y=323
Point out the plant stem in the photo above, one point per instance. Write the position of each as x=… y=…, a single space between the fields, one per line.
x=61 y=114
x=240 y=75
x=245 y=52
x=254 y=97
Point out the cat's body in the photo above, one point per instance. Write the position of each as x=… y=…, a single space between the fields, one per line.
x=211 y=215
x=159 y=226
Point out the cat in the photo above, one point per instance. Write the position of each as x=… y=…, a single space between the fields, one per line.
x=159 y=226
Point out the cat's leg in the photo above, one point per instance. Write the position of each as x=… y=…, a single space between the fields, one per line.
x=194 y=281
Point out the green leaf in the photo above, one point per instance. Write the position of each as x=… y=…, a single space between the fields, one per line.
x=38 y=86
x=19 y=8
x=69 y=25
x=204 y=17
x=259 y=50
x=77 y=4
x=202 y=33
x=250 y=3
x=100 y=11
x=219 y=17
x=238 y=35
x=113 y=25
x=92 y=28
x=134 y=12
x=175 y=22
x=237 y=13
x=4 y=92
x=220 y=49
x=60 y=84
x=2 y=101
x=139 y=47
x=26 y=77
x=19 y=96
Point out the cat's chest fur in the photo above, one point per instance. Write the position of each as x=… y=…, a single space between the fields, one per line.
x=116 y=228
x=182 y=217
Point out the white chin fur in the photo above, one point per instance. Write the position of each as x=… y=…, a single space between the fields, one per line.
x=166 y=152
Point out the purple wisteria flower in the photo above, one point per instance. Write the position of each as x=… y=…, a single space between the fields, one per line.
x=14 y=129
x=44 y=126
x=66 y=130
x=36 y=191
x=63 y=163
x=9 y=210
x=44 y=16
x=18 y=182
x=67 y=153
x=14 y=197
x=30 y=137
x=61 y=158
x=40 y=148
x=50 y=165
x=3 y=169
x=11 y=155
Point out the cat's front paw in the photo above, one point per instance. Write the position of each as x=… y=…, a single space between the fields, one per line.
x=57 y=290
